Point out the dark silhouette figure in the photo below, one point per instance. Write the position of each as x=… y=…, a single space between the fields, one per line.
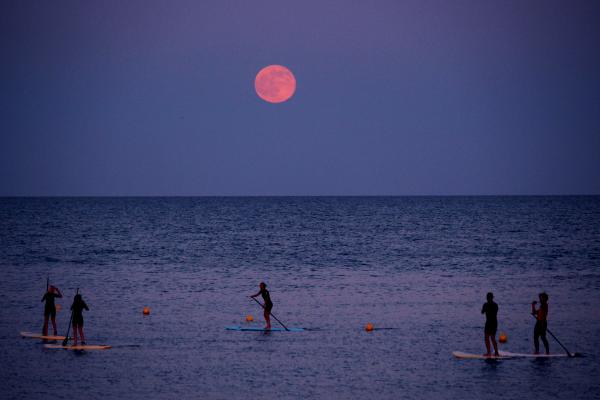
x=268 y=303
x=50 y=308
x=541 y=325
x=490 y=309
x=78 y=306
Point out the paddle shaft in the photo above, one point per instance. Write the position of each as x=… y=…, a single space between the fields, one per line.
x=555 y=338
x=64 y=343
x=276 y=319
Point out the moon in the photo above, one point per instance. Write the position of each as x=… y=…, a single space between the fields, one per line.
x=275 y=84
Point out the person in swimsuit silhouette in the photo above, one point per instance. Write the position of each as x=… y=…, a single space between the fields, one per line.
x=268 y=306
x=78 y=306
x=490 y=309
x=541 y=325
x=50 y=308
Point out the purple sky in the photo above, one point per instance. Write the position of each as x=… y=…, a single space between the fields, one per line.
x=423 y=97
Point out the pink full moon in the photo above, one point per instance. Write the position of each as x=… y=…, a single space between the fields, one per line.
x=275 y=84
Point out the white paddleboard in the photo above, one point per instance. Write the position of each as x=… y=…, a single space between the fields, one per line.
x=34 y=335
x=256 y=329
x=505 y=355
x=78 y=347
x=462 y=355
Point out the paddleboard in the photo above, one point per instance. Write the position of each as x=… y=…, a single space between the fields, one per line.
x=504 y=355
x=256 y=329
x=78 y=347
x=462 y=355
x=529 y=355
x=34 y=335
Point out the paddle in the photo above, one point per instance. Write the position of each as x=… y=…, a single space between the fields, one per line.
x=66 y=340
x=555 y=338
x=260 y=304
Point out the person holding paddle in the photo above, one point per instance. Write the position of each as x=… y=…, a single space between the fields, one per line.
x=541 y=324
x=490 y=309
x=50 y=308
x=77 y=314
x=268 y=306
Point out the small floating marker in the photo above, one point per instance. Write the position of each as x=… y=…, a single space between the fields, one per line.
x=146 y=310
x=502 y=338
x=58 y=307
x=369 y=327
x=249 y=318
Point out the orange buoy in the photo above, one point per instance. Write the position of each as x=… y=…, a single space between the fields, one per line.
x=146 y=310
x=249 y=318
x=503 y=338
x=369 y=327
x=58 y=307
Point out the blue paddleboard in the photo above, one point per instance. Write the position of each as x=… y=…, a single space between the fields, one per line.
x=256 y=329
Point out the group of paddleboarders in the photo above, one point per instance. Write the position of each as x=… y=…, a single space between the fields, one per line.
x=76 y=308
x=79 y=305
x=490 y=309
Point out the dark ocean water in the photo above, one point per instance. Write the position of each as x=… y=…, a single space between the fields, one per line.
x=420 y=265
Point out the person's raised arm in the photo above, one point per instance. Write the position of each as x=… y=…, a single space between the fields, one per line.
x=85 y=306
x=58 y=293
x=44 y=298
x=254 y=295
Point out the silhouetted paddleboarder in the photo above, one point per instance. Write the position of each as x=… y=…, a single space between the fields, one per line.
x=78 y=306
x=50 y=308
x=490 y=309
x=268 y=306
x=541 y=325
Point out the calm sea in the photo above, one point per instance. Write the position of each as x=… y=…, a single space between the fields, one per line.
x=419 y=265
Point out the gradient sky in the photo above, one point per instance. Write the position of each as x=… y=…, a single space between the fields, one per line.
x=393 y=97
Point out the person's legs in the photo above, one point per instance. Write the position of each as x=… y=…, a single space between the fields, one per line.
x=495 y=345
x=53 y=318
x=81 y=334
x=268 y=319
x=74 y=335
x=45 y=327
x=546 y=344
x=487 y=344
x=544 y=340
x=536 y=337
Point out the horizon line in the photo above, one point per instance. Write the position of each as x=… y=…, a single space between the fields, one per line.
x=294 y=195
